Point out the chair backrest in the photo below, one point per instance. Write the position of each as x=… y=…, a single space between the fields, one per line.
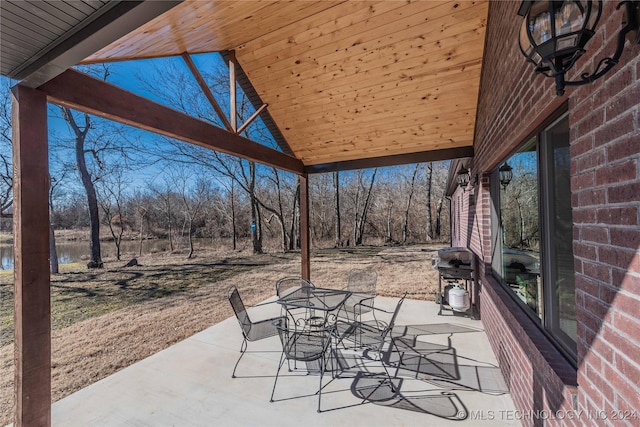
x=239 y=309
x=362 y=281
x=392 y=321
x=288 y=284
x=303 y=344
x=374 y=337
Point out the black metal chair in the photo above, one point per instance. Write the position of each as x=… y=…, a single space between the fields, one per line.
x=305 y=345
x=362 y=284
x=287 y=285
x=373 y=336
x=251 y=331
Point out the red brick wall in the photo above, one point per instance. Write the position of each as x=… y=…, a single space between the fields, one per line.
x=604 y=118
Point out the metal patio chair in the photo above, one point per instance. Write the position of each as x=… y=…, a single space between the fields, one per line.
x=312 y=346
x=363 y=285
x=251 y=331
x=287 y=285
x=373 y=336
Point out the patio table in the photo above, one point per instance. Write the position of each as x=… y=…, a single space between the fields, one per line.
x=320 y=305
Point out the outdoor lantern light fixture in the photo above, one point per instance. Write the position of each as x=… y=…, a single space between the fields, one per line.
x=506 y=174
x=554 y=34
x=463 y=177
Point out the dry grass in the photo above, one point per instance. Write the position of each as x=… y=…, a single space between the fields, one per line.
x=106 y=320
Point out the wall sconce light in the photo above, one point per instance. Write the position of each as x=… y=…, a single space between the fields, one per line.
x=463 y=177
x=554 y=34
x=506 y=174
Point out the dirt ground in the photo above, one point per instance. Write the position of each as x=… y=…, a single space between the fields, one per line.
x=106 y=320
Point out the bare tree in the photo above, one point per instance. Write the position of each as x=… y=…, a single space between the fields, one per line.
x=361 y=216
x=243 y=172
x=389 y=205
x=284 y=195
x=193 y=195
x=6 y=168
x=166 y=200
x=405 y=228
x=234 y=231
x=142 y=211
x=54 y=185
x=80 y=133
x=111 y=197
x=227 y=206
x=439 y=218
x=95 y=149
x=294 y=234
x=336 y=206
x=429 y=220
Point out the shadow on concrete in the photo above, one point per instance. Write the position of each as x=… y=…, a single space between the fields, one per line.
x=424 y=375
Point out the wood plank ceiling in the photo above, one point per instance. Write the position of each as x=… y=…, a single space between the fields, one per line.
x=344 y=80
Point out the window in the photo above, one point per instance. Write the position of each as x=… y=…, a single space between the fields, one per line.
x=532 y=233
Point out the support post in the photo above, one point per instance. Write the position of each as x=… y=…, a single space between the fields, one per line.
x=305 y=252
x=32 y=294
x=233 y=114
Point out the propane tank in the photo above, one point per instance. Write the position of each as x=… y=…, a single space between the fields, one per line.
x=458 y=298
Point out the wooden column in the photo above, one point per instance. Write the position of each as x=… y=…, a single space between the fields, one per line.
x=233 y=113
x=31 y=254
x=305 y=252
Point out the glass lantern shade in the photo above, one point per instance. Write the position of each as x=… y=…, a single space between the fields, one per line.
x=506 y=175
x=554 y=33
x=462 y=178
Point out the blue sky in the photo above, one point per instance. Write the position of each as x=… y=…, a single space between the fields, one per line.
x=128 y=74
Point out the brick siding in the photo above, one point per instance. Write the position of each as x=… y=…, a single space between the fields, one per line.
x=604 y=119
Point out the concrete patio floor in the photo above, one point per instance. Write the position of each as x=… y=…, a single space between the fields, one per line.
x=448 y=376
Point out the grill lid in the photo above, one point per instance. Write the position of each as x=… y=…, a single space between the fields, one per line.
x=454 y=257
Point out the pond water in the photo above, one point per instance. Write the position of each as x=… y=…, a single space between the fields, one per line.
x=79 y=251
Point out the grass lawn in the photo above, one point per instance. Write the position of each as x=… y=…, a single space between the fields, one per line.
x=104 y=320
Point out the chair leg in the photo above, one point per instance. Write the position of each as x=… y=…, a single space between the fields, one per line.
x=282 y=358
x=386 y=371
x=384 y=366
x=243 y=349
x=322 y=369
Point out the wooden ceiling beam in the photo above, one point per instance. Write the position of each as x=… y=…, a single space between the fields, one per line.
x=252 y=118
x=85 y=93
x=206 y=91
x=114 y=20
x=233 y=113
x=399 y=159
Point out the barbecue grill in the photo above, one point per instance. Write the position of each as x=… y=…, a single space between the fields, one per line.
x=454 y=265
x=521 y=273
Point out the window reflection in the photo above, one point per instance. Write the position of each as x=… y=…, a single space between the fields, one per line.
x=521 y=228
x=534 y=237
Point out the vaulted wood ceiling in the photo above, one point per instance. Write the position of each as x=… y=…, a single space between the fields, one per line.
x=344 y=80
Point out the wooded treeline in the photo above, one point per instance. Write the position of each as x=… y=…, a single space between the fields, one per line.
x=184 y=203
x=106 y=175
